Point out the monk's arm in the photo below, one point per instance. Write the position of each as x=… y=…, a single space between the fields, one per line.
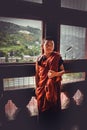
x=52 y=73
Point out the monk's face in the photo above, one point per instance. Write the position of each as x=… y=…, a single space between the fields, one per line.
x=48 y=46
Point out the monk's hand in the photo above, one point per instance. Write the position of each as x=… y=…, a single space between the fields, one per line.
x=51 y=74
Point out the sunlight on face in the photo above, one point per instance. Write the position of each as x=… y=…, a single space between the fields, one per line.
x=48 y=46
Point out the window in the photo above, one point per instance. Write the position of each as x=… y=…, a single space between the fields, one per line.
x=73 y=47
x=35 y=1
x=75 y=4
x=18 y=83
x=72 y=42
x=73 y=77
x=19 y=39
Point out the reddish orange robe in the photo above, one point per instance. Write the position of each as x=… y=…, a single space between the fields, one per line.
x=48 y=89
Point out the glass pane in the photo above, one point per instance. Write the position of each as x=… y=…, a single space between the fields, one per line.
x=18 y=83
x=19 y=39
x=73 y=77
x=75 y=4
x=72 y=42
x=36 y=1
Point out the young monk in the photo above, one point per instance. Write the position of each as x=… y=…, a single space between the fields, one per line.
x=49 y=70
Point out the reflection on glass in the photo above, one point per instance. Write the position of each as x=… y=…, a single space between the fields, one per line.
x=19 y=40
x=72 y=42
x=73 y=77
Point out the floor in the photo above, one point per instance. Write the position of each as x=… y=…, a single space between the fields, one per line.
x=69 y=119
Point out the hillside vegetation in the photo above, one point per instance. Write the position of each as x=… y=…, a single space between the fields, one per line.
x=16 y=40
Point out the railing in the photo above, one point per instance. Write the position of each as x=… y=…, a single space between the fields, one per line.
x=21 y=97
